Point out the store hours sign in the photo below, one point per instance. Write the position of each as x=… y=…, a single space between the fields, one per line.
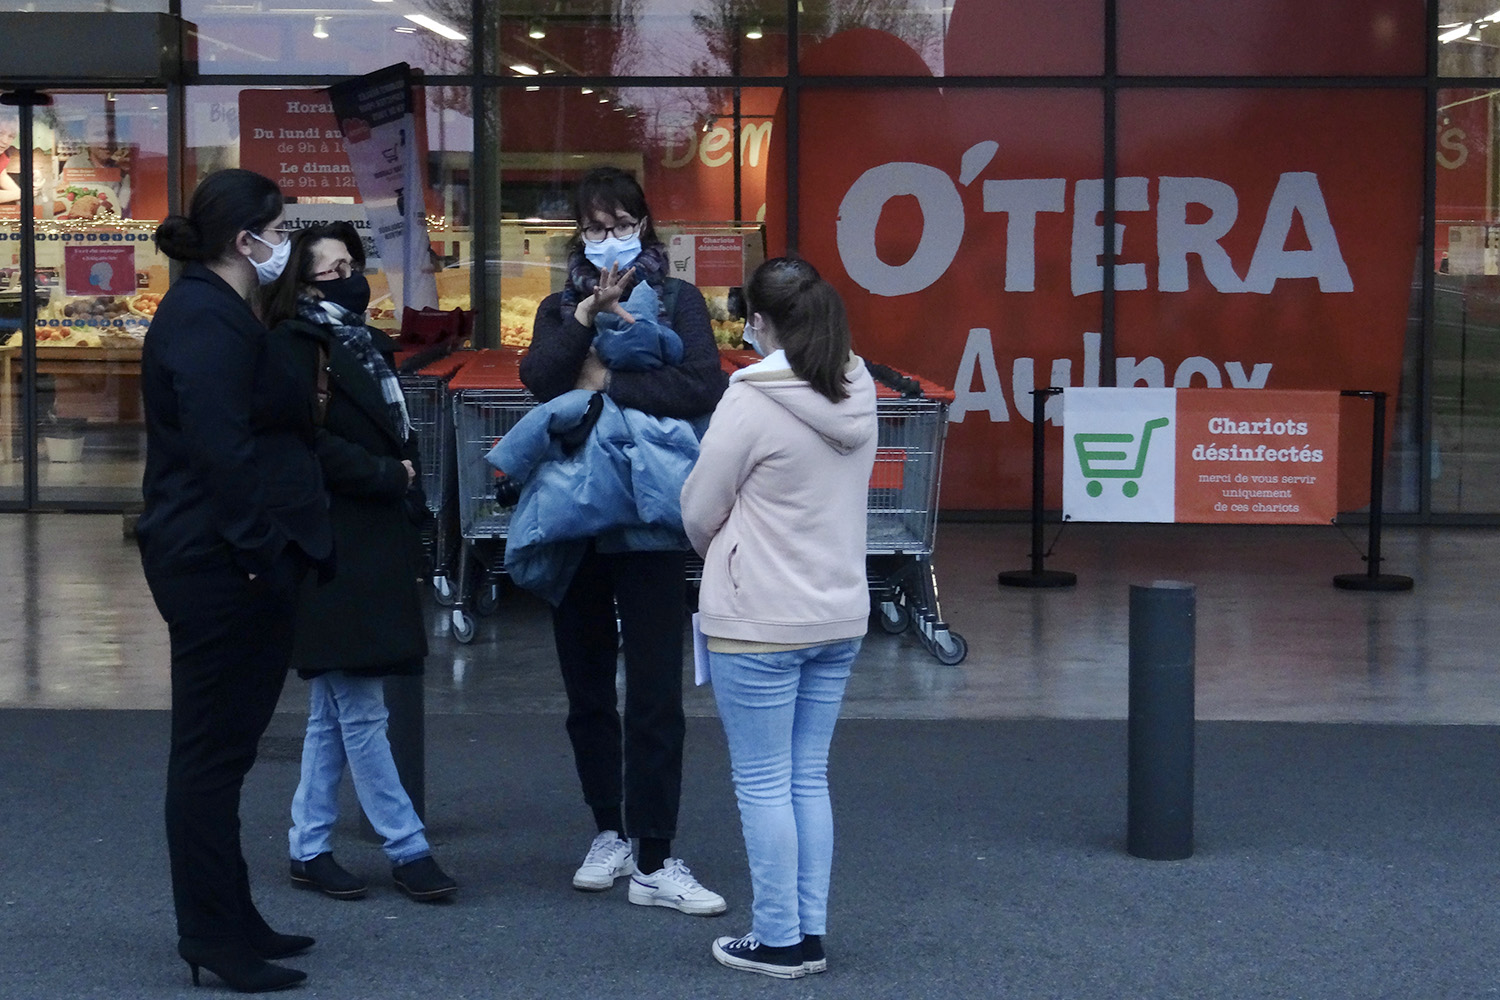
x=292 y=137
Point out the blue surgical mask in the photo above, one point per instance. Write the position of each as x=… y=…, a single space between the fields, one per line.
x=267 y=271
x=621 y=252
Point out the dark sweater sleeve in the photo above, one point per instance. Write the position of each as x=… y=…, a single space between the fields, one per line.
x=559 y=344
x=690 y=389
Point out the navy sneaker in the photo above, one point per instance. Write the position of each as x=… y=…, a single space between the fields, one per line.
x=749 y=955
x=813 y=959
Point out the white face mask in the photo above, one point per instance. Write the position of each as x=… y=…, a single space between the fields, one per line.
x=621 y=252
x=267 y=271
x=749 y=337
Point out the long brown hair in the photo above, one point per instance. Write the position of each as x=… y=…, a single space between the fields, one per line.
x=811 y=325
x=281 y=296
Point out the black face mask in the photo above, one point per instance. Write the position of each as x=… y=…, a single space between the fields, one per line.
x=353 y=292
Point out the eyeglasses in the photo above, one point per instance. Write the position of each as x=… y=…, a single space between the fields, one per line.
x=595 y=233
x=285 y=232
x=343 y=269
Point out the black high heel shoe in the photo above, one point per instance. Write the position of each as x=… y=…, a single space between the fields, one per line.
x=272 y=946
x=238 y=965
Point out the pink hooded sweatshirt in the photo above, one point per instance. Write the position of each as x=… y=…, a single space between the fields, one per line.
x=776 y=507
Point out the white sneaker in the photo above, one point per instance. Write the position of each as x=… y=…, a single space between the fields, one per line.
x=674 y=886
x=608 y=858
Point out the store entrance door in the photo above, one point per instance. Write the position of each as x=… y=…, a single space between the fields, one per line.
x=83 y=185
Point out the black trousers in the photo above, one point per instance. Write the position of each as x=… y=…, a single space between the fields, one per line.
x=641 y=766
x=231 y=641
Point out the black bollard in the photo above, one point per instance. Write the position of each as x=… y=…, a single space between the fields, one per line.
x=1159 y=810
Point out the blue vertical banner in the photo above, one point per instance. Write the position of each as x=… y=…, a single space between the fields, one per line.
x=376 y=114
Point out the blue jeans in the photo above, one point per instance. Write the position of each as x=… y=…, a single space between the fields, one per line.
x=346 y=723
x=778 y=711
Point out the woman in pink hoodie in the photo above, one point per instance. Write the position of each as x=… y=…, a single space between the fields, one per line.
x=776 y=507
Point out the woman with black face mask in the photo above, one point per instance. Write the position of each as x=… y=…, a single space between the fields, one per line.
x=366 y=623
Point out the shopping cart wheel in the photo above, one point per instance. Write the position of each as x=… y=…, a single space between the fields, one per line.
x=950 y=648
x=463 y=626
x=442 y=590
x=894 y=618
x=487 y=597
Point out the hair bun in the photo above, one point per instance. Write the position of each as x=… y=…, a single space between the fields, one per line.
x=179 y=238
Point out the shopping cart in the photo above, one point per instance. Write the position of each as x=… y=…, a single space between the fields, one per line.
x=488 y=400
x=912 y=421
x=1090 y=457
x=431 y=414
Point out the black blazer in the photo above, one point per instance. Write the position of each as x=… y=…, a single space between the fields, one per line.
x=231 y=477
x=367 y=619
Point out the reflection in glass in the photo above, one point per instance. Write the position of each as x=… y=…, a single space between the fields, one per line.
x=638 y=38
x=1466 y=319
x=330 y=37
x=1468 y=38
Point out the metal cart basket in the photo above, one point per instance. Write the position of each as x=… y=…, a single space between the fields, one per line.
x=488 y=400
x=431 y=414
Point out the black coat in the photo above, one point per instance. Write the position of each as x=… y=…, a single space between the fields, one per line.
x=231 y=477
x=690 y=389
x=368 y=619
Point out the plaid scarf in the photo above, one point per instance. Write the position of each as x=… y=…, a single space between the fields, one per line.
x=349 y=331
x=583 y=277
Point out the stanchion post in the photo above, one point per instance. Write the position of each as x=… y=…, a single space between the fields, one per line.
x=1159 y=806
x=1037 y=576
x=1372 y=578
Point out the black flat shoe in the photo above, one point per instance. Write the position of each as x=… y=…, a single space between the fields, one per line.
x=423 y=880
x=238 y=965
x=328 y=877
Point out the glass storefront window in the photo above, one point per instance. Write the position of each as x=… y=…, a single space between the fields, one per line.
x=952 y=38
x=1466 y=318
x=270 y=130
x=330 y=37
x=1274 y=37
x=87 y=6
x=703 y=157
x=645 y=38
x=1468 y=38
x=1256 y=251
x=100 y=183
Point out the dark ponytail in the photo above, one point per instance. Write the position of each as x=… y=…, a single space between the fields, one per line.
x=227 y=203
x=811 y=325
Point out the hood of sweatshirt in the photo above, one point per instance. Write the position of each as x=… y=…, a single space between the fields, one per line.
x=846 y=425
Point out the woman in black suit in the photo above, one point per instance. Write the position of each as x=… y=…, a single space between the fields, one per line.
x=235 y=515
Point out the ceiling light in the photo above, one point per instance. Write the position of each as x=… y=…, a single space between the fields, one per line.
x=536 y=29
x=548 y=69
x=404 y=30
x=1454 y=34
x=603 y=100
x=585 y=90
x=523 y=69
x=320 y=29
x=756 y=31
x=532 y=89
x=1492 y=17
x=437 y=27
x=708 y=123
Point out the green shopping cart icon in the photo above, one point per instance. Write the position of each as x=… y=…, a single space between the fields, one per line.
x=1089 y=457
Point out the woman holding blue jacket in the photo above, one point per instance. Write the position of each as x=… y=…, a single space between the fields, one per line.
x=630 y=769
